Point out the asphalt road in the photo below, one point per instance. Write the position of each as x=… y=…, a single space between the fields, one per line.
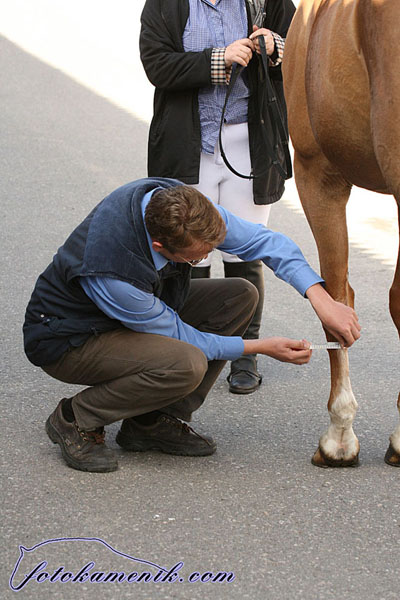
x=257 y=508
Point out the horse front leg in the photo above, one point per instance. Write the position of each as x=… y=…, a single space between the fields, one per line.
x=339 y=446
x=392 y=456
x=324 y=195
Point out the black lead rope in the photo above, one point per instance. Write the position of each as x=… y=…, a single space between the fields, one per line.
x=278 y=128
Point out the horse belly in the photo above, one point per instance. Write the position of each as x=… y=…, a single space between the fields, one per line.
x=338 y=94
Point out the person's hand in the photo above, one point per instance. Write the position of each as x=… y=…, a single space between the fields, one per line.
x=342 y=322
x=338 y=319
x=284 y=349
x=239 y=52
x=268 y=37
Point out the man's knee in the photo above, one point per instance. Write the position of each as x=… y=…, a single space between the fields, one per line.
x=193 y=366
x=195 y=362
x=245 y=292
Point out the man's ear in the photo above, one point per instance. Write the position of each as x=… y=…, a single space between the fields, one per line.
x=157 y=246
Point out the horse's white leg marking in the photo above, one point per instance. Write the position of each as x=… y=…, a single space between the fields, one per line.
x=340 y=443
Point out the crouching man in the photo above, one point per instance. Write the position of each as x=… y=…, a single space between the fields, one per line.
x=116 y=311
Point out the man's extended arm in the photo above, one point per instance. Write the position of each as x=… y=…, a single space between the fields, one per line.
x=143 y=312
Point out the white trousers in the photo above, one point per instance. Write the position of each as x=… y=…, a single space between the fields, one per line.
x=226 y=189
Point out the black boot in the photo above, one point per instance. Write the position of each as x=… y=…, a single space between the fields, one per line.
x=200 y=272
x=244 y=377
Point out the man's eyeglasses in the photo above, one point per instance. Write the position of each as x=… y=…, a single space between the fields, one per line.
x=195 y=262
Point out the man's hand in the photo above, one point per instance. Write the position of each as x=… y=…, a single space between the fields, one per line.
x=239 y=52
x=284 y=349
x=268 y=37
x=337 y=318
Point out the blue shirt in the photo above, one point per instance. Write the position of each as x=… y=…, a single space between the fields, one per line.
x=144 y=312
x=217 y=26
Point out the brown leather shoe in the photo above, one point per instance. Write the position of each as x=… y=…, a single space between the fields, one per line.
x=168 y=434
x=82 y=450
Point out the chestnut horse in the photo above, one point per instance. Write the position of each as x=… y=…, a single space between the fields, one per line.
x=342 y=84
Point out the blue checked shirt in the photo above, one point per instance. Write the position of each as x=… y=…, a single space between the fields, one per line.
x=217 y=26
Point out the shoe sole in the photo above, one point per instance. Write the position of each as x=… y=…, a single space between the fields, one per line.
x=128 y=444
x=56 y=438
x=243 y=391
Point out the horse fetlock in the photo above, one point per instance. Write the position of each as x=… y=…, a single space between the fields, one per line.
x=343 y=422
x=342 y=405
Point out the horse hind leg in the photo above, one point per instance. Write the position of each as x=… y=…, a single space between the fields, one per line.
x=392 y=456
x=387 y=148
x=385 y=119
x=324 y=195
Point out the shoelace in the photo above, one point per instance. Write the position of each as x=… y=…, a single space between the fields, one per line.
x=97 y=435
x=177 y=423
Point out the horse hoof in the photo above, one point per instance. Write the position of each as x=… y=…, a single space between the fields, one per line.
x=320 y=459
x=392 y=457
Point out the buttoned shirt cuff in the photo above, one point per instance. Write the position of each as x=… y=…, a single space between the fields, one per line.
x=232 y=348
x=304 y=278
x=276 y=58
x=220 y=73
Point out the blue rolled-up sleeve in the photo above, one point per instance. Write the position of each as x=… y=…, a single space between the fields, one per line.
x=145 y=313
x=251 y=241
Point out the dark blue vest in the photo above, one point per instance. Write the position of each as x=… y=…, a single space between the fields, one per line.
x=110 y=242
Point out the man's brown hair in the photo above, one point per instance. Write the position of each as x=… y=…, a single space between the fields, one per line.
x=179 y=216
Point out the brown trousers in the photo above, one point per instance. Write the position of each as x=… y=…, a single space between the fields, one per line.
x=132 y=373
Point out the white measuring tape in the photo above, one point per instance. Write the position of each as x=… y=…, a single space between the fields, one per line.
x=327 y=346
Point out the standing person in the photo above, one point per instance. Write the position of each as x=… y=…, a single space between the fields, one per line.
x=116 y=311
x=188 y=50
